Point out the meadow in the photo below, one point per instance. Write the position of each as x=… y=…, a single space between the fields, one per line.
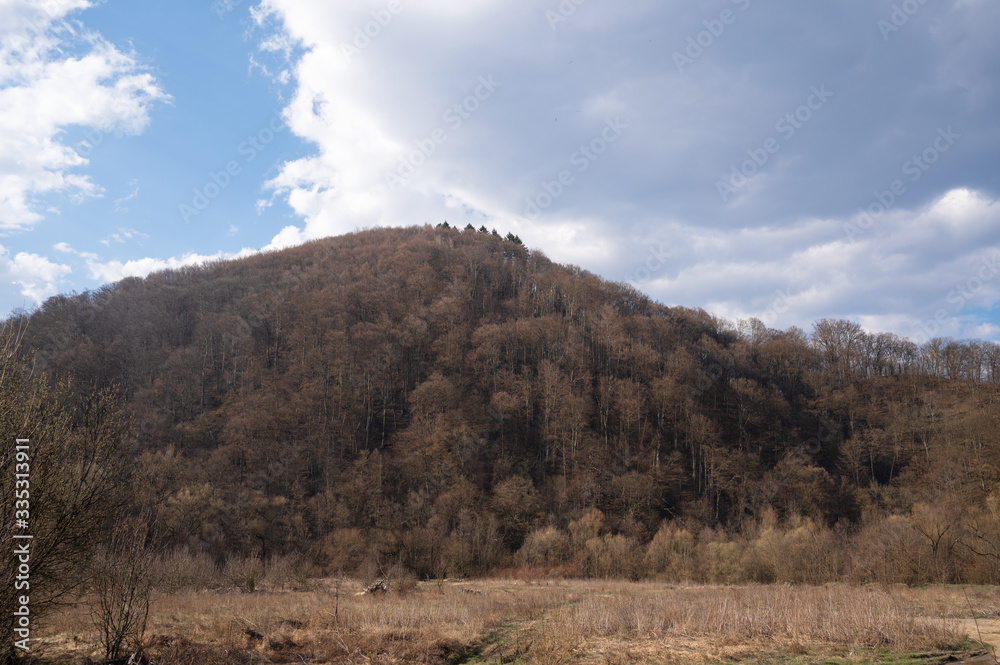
x=550 y=621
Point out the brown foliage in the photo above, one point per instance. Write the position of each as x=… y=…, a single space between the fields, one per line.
x=433 y=397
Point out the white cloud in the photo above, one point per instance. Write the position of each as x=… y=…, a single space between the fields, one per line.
x=65 y=248
x=55 y=74
x=364 y=135
x=122 y=235
x=106 y=271
x=37 y=277
x=114 y=270
x=895 y=277
x=119 y=203
x=289 y=236
x=787 y=249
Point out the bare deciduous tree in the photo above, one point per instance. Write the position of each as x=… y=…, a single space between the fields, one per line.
x=78 y=475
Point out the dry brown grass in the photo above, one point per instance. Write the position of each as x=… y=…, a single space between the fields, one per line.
x=953 y=601
x=735 y=623
x=551 y=622
x=322 y=626
x=847 y=616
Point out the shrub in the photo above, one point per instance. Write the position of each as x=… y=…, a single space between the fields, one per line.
x=345 y=550
x=547 y=546
x=885 y=551
x=671 y=555
x=611 y=556
x=245 y=573
x=718 y=560
x=122 y=586
x=180 y=569
x=290 y=570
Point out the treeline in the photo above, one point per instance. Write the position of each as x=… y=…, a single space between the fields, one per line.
x=847 y=350
x=931 y=544
x=450 y=401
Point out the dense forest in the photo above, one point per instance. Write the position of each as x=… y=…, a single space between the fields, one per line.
x=450 y=402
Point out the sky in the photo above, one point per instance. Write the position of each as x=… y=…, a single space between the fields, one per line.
x=783 y=160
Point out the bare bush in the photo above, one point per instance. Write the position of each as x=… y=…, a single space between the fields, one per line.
x=885 y=551
x=671 y=554
x=547 y=546
x=244 y=572
x=78 y=473
x=179 y=570
x=611 y=556
x=288 y=571
x=122 y=586
x=400 y=579
x=344 y=550
x=801 y=552
x=983 y=523
x=718 y=558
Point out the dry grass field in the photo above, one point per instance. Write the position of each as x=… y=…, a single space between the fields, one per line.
x=550 y=622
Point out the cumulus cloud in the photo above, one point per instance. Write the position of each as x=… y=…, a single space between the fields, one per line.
x=122 y=235
x=816 y=107
x=115 y=270
x=920 y=272
x=55 y=74
x=36 y=276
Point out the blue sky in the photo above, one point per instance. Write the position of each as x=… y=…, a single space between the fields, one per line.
x=784 y=160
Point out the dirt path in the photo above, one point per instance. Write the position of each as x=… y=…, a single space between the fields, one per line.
x=988 y=628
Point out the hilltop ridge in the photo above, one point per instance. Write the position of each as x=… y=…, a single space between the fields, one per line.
x=443 y=397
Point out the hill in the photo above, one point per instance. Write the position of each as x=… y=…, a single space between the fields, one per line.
x=453 y=402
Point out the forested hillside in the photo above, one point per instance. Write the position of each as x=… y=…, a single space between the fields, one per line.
x=452 y=402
